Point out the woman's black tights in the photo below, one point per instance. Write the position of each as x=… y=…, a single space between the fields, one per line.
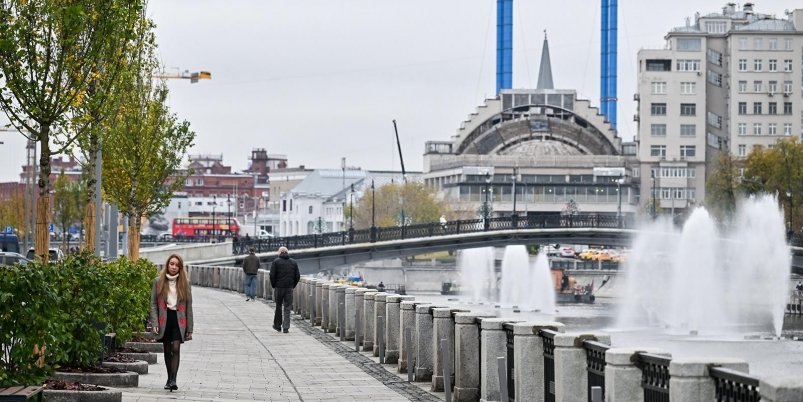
x=172 y=352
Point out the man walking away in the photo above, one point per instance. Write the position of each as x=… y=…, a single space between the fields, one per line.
x=284 y=276
x=250 y=268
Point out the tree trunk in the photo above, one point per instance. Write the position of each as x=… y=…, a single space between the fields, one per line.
x=133 y=237
x=89 y=227
x=42 y=236
x=89 y=210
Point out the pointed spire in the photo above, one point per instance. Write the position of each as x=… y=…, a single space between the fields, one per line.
x=545 y=72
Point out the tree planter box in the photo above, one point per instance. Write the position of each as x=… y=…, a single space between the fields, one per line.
x=148 y=357
x=155 y=347
x=139 y=366
x=121 y=380
x=108 y=395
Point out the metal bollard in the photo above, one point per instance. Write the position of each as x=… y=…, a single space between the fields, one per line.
x=447 y=368
x=357 y=333
x=501 y=366
x=596 y=394
x=408 y=340
x=380 y=333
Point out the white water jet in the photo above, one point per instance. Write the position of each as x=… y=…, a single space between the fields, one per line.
x=528 y=287
x=698 y=280
x=477 y=274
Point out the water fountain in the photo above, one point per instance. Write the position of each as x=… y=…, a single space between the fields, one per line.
x=477 y=276
x=701 y=280
x=528 y=287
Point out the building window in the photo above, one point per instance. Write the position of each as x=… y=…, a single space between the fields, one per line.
x=284 y=205
x=742 y=128
x=687 y=151
x=658 y=130
x=658 y=150
x=772 y=108
x=688 y=88
x=658 y=87
x=742 y=107
x=787 y=66
x=659 y=65
x=715 y=26
x=291 y=204
x=742 y=150
x=787 y=44
x=715 y=78
x=199 y=182
x=757 y=64
x=688 y=44
x=772 y=129
x=756 y=107
x=758 y=43
x=310 y=209
x=756 y=128
x=773 y=87
x=714 y=57
x=742 y=64
x=688 y=109
x=688 y=65
x=742 y=43
x=714 y=120
x=787 y=129
x=773 y=43
x=688 y=130
x=658 y=109
x=757 y=86
x=772 y=65
x=742 y=86
x=787 y=108
x=188 y=182
x=787 y=87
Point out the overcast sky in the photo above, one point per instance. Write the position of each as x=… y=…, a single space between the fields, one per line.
x=318 y=80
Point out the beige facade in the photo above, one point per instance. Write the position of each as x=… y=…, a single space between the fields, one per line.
x=725 y=82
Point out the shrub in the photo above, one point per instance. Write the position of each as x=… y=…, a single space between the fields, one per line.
x=130 y=295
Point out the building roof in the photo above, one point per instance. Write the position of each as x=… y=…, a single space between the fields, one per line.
x=768 y=25
x=545 y=72
x=328 y=182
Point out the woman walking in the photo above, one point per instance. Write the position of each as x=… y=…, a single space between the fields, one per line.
x=171 y=314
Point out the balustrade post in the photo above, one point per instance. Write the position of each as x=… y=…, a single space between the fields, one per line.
x=368 y=321
x=492 y=346
x=570 y=366
x=781 y=389
x=407 y=322
x=325 y=306
x=359 y=315
x=318 y=289
x=623 y=376
x=467 y=356
x=349 y=313
x=689 y=379
x=393 y=326
x=528 y=358
x=423 y=342
x=332 y=307
x=380 y=301
x=442 y=328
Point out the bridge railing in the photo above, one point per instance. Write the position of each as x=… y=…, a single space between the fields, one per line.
x=432 y=229
x=735 y=386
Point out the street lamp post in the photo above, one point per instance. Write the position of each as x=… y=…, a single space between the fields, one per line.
x=654 y=212
x=789 y=197
x=515 y=218
x=619 y=206
x=228 y=218
x=373 y=212
x=214 y=223
x=485 y=212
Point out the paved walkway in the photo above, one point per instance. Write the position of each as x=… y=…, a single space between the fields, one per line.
x=236 y=355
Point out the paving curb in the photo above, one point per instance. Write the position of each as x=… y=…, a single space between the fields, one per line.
x=147 y=357
x=153 y=347
x=107 y=395
x=122 y=380
x=139 y=366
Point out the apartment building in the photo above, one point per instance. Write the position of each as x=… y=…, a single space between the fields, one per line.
x=725 y=82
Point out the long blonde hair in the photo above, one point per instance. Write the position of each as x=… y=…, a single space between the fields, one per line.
x=183 y=290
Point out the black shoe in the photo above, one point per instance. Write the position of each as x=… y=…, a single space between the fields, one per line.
x=286 y=331
x=167 y=384
x=277 y=328
x=247 y=299
x=173 y=386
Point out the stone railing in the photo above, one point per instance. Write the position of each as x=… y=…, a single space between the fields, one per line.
x=548 y=364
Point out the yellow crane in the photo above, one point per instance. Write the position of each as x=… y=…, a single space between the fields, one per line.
x=186 y=74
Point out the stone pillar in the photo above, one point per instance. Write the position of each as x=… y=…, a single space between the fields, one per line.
x=359 y=311
x=380 y=301
x=300 y=300
x=467 y=357
x=216 y=277
x=492 y=347
x=392 y=326
x=368 y=321
x=407 y=321
x=689 y=379
x=315 y=311
x=423 y=343
x=318 y=301
x=341 y=299
x=622 y=377
x=786 y=389
x=332 y=306
x=442 y=328
x=349 y=311
x=570 y=365
x=324 y=305
x=528 y=358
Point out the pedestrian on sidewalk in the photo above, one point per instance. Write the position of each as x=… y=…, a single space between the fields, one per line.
x=284 y=277
x=171 y=314
x=251 y=268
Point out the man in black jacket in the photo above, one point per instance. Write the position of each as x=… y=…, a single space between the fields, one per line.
x=284 y=276
x=251 y=269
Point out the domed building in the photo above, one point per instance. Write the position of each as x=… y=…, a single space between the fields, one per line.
x=555 y=151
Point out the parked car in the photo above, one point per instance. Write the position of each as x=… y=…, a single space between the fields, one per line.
x=589 y=254
x=566 y=252
x=8 y=259
x=550 y=250
x=54 y=254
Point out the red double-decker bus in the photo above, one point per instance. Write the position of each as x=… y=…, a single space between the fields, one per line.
x=205 y=226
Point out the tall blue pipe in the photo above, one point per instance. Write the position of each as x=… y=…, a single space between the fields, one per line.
x=504 y=45
x=603 y=60
x=613 y=52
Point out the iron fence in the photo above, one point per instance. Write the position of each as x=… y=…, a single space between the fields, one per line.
x=548 y=337
x=432 y=229
x=511 y=390
x=595 y=365
x=654 y=376
x=734 y=386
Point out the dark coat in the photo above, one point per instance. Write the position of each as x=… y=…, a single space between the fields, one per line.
x=251 y=264
x=284 y=272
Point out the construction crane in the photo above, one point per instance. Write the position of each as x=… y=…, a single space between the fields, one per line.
x=186 y=74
